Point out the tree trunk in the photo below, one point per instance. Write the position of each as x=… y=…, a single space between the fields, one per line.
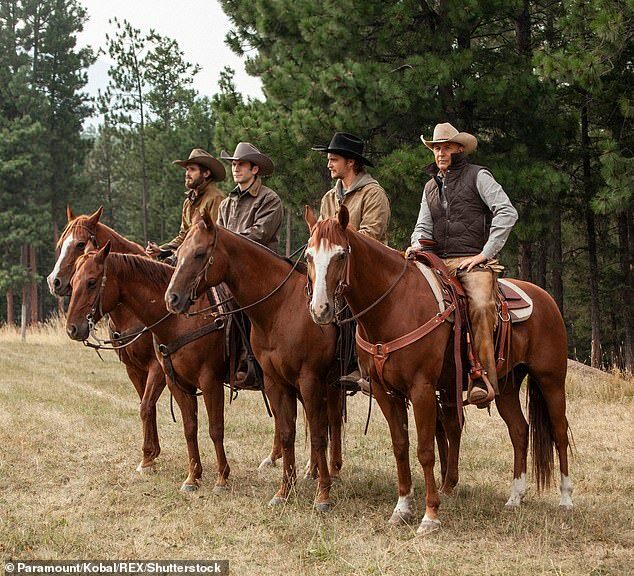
x=525 y=261
x=556 y=257
x=10 y=310
x=541 y=263
x=627 y=291
x=288 y=233
x=35 y=308
x=595 y=314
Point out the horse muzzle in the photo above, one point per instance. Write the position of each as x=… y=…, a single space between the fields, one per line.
x=57 y=287
x=322 y=313
x=175 y=303
x=77 y=331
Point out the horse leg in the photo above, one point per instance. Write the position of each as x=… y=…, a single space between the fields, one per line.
x=154 y=386
x=284 y=407
x=423 y=397
x=188 y=405
x=442 y=445
x=395 y=411
x=276 y=450
x=335 y=400
x=448 y=421
x=510 y=409
x=214 y=397
x=547 y=391
x=313 y=395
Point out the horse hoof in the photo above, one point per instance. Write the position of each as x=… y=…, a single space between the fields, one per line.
x=427 y=526
x=268 y=462
x=219 y=489
x=512 y=505
x=145 y=469
x=277 y=501
x=323 y=506
x=400 y=518
x=189 y=487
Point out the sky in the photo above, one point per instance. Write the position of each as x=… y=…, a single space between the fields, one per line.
x=198 y=26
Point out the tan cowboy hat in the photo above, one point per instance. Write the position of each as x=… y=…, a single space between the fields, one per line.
x=447 y=133
x=248 y=152
x=202 y=157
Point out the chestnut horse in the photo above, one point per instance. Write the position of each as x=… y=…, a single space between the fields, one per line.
x=369 y=272
x=101 y=282
x=145 y=372
x=297 y=357
x=88 y=232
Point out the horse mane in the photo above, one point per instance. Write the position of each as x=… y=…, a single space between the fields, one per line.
x=301 y=267
x=130 y=266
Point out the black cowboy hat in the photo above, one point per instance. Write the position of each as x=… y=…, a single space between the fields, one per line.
x=346 y=145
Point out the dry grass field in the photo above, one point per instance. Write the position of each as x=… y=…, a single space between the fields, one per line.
x=70 y=441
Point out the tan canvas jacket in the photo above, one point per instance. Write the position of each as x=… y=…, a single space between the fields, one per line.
x=367 y=203
x=206 y=199
x=256 y=213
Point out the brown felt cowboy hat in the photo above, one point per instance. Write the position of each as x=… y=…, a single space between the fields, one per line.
x=447 y=133
x=346 y=145
x=249 y=153
x=203 y=158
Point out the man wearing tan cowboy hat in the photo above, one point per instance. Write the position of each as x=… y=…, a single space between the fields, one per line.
x=469 y=216
x=255 y=211
x=251 y=209
x=365 y=199
x=201 y=171
x=367 y=204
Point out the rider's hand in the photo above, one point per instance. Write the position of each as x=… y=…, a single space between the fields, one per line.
x=152 y=249
x=469 y=263
x=409 y=251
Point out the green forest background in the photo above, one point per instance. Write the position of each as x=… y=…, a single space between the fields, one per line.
x=545 y=85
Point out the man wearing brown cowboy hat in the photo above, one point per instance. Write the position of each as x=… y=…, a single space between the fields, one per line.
x=255 y=211
x=469 y=216
x=201 y=171
x=366 y=201
x=251 y=209
x=363 y=196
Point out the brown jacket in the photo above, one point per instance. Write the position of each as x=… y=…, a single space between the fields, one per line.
x=256 y=213
x=206 y=199
x=367 y=203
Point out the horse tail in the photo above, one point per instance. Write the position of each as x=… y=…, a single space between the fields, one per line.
x=541 y=435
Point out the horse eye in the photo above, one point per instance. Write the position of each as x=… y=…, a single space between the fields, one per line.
x=81 y=245
x=340 y=256
x=92 y=283
x=199 y=255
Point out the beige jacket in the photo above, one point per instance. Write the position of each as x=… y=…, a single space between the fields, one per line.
x=367 y=203
x=206 y=199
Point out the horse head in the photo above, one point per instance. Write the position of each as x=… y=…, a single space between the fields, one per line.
x=328 y=257
x=200 y=264
x=78 y=237
x=91 y=296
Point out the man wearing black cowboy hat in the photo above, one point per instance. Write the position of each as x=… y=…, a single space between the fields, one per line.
x=201 y=171
x=363 y=196
x=365 y=199
x=252 y=209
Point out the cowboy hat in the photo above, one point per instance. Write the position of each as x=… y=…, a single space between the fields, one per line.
x=248 y=152
x=447 y=133
x=203 y=158
x=346 y=145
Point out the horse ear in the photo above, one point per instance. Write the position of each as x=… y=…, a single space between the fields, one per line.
x=309 y=217
x=94 y=218
x=206 y=218
x=102 y=253
x=344 y=217
x=69 y=213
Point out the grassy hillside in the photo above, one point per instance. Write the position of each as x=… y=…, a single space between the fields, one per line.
x=70 y=440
